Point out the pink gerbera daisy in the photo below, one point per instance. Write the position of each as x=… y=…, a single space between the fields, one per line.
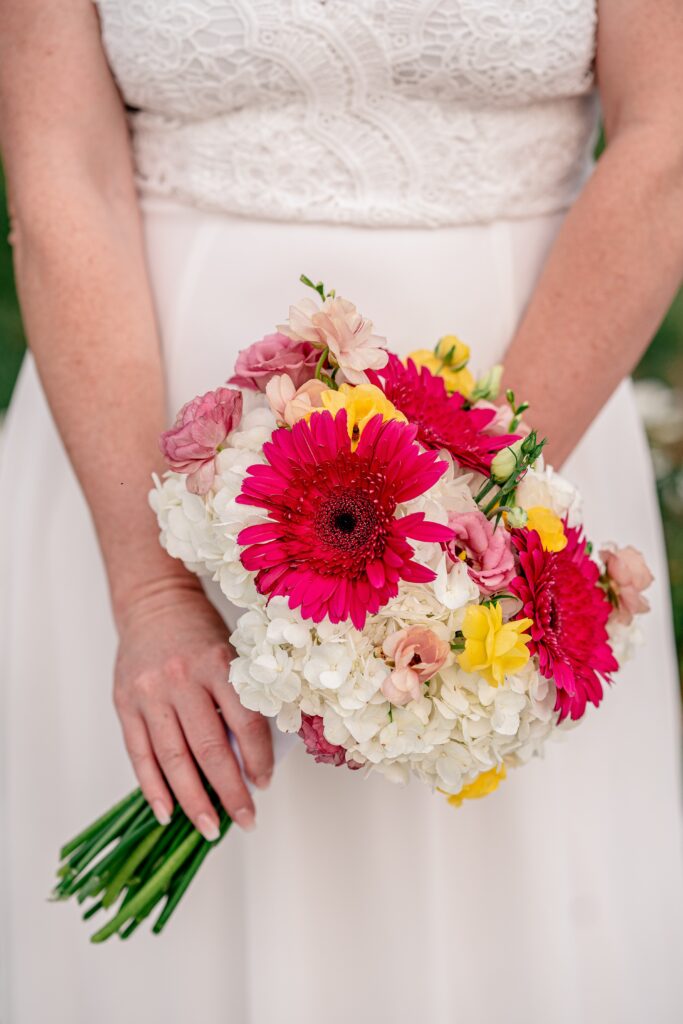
x=334 y=545
x=443 y=420
x=559 y=591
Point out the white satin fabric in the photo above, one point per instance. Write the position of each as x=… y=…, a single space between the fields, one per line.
x=556 y=900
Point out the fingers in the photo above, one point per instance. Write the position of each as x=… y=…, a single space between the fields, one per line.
x=251 y=731
x=180 y=770
x=146 y=768
x=208 y=739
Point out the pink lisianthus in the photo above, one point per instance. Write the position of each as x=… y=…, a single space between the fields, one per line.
x=490 y=559
x=322 y=750
x=290 y=404
x=201 y=426
x=339 y=326
x=418 y=654
x=274 y=354
x=629 y=575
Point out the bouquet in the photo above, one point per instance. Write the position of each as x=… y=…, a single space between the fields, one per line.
x=419 y=598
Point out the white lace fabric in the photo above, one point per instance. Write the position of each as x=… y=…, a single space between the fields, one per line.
x=389 y=112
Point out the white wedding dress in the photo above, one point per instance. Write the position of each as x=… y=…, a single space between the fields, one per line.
x=419 y=156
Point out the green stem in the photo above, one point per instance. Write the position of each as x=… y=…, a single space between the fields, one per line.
x=156 y=884
x=97 y=825
x=182 y=884
x=113 y=890
x=112 y=832
x=321 y=362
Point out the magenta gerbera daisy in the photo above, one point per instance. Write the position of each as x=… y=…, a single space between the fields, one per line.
x=443 y=420
x=559 y=591
x=334 y=545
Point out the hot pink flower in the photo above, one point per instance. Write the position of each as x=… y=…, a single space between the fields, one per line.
x=333 y=544
x=339 y=326
x=418 y=654
x=201 y=426
x=490 y=561
x=276 y=353
x=629 y=575
x=443 y=420
x=290 y=404
x=559 y=591
x=324 y=752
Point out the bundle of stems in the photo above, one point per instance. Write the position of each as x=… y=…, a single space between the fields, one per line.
x=126 y=861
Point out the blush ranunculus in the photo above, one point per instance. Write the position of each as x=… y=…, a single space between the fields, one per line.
x=274 y=354
x=629 y=575
x=201 y=427
x=324 y=752
x=339 y=326
x=490 y=559
x=418 y=654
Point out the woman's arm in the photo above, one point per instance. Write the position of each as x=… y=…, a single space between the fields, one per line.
x=618 y=259
x=90 y=321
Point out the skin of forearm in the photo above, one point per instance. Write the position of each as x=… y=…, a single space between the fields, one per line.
x=610 y=277
x=89 y=320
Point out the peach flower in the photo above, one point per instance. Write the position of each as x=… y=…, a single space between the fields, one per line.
x=339 y=326
x=418 y=654
x=629 y=576
x=201 y=427
x=290 y=404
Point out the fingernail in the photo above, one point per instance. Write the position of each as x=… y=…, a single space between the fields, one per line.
x=208 y=827
x=245 y=819
x=160 y=812
x=263 y=781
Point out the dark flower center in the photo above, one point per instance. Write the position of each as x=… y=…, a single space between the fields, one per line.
x=347 y=520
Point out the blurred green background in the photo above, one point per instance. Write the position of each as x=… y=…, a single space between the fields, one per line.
x=660 y=390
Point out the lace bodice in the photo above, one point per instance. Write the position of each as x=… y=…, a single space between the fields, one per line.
x=393 y=112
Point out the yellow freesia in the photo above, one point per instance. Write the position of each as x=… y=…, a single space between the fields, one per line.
x=493 y=648
x=484 y=784
x=448 y=360
x=548 y=526
x=362 y=402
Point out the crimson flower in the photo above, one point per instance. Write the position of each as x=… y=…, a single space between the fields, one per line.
x=334 y=545
x=443 y=420
x=559 y=591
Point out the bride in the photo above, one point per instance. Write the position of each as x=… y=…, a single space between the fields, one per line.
x=172 y=168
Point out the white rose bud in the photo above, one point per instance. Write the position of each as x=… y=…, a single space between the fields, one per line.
x=516 y=517
x=505 y=462
x=488 y=386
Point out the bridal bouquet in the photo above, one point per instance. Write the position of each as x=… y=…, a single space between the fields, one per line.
x=418 y=595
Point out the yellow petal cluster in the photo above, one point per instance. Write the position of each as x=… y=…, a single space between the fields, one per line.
x=548 y=526
x=361 y=402
x=447 y=360
x=493 y=648
x=484 y=784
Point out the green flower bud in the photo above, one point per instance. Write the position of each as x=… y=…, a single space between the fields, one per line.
x=516 y=517
x=505 y=462
x=488 y=386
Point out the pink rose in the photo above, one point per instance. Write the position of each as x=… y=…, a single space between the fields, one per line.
x=490 y=560
x=290 y=404
x=200 y=428
x=418 y=654
x=276 y=353
x=339 y=326
x=323 y=751
x=629 y=575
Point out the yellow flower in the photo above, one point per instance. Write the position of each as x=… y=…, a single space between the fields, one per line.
x=361 y=402
x=484 y=784
x=448 y=360
x=493 y=648
x=548 y=526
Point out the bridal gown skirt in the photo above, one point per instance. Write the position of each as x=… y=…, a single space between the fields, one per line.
x=558 y=899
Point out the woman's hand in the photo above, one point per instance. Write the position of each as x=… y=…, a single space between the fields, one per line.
x=171 y=682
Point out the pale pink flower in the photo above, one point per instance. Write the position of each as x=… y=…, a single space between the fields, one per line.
x=339 y=326
x=418 y=654
x=274 y=354
x=290 y=404
x=201 y=427
x=500 y=424
x=629 y=575
x=490 y=560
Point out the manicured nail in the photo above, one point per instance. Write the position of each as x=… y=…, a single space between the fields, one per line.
x=160 y=812
x=263 y=781
x=208 y=827
x=245 y=819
